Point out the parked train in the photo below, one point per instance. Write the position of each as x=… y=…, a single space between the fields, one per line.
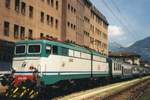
x=46 y=62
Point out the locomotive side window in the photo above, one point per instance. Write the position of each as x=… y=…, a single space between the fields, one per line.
x=20 y=49
x=65 y=51
x=48 y=49
x=55 y=50
x=34 y=49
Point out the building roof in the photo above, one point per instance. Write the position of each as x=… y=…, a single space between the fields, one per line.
x=99 y=14
x=123 y=54
x=96 y=11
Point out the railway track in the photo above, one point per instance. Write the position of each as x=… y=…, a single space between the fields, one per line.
x=102 y=92
x=108 y=92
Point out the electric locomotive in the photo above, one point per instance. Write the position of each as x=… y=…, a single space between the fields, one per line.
x=46 y=62
x=41 y=63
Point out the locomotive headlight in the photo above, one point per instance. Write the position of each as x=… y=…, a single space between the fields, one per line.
x=31 y=67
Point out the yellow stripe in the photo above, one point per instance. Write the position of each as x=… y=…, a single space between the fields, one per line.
x=15 y=90
x=31 y=92
x=23 y=93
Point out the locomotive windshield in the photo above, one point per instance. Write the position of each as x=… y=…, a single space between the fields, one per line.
x=20 y=49
x=34 y=49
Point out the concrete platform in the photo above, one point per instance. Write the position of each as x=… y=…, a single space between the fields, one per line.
x=102 y=92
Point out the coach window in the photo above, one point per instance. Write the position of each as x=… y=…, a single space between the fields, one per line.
x=120 y=66
x=117 y=67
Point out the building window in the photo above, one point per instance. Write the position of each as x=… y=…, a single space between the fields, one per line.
x=22 y=33
x=16 y=31
x=48 y=2
x=68 y=6
x=68 y=24
x=52 y=21
x=30 y=11
x=30 y=35
x=56 y=23
x=6 y=28
x=42 y=17
x=52 y=3
x=17 y=5
x=7 y=3
x=48 y=19
x=71 y=26
x=23 y=8
x=74 y=10
x=71 y=9
x=41 y=35
x=74 y=27
x=55 y=50
x=57 y=5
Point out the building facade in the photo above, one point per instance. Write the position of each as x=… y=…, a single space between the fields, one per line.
x=76 y=21
x=127 y=57
x=83 y=24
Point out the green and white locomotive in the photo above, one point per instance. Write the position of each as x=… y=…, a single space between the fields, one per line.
x=55 y=61
x=39 y=64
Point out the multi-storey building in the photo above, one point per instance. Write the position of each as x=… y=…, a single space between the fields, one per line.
x=22 y=19
x=83 y=24
x=74 y=20
x=98 y=31
x=27 y=19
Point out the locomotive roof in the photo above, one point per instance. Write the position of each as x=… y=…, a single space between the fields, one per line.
x=66 y=45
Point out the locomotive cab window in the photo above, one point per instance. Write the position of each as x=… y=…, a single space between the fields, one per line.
x=20 y=49
x=34 y=49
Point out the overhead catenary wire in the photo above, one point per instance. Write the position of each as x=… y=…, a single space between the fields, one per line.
x=119 y=20
x=121 y=14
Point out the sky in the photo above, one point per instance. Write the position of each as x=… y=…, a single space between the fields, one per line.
x=129 y=20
